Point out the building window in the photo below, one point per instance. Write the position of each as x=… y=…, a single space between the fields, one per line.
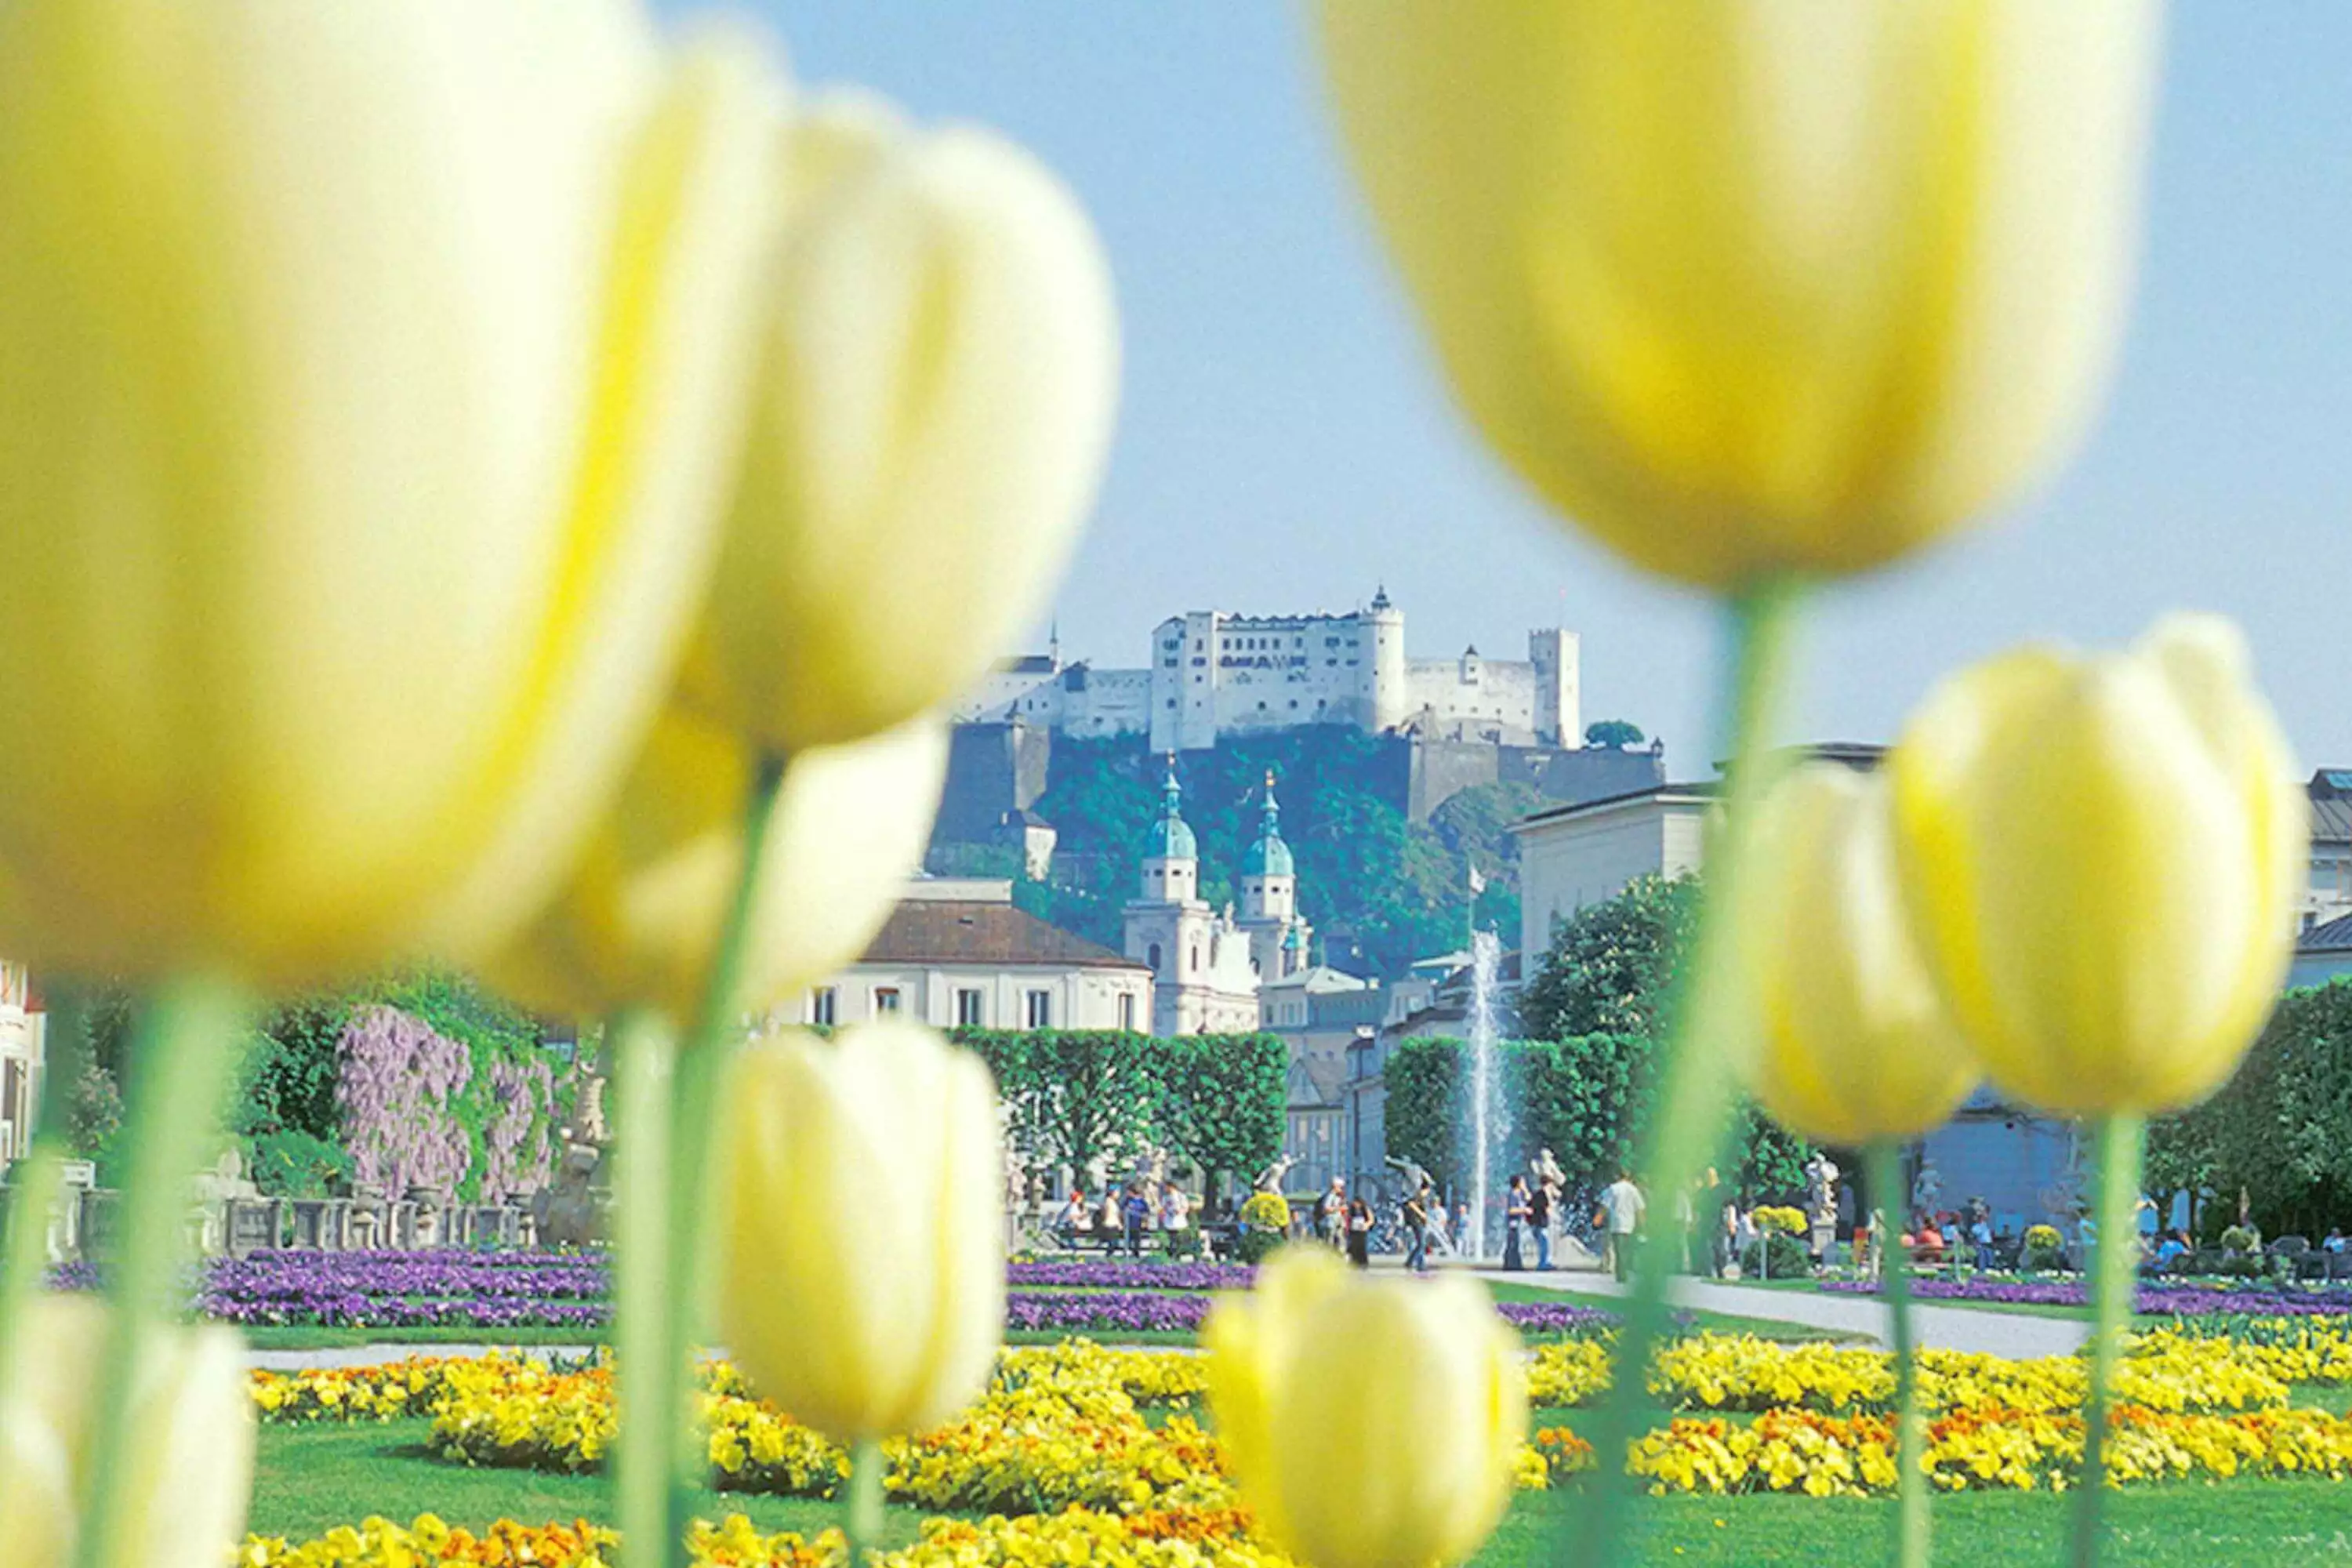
x=1127 y=1010
x=968 y=1008
x=1195 y=955
x=1153 y=956
x=824 y=1006
x=886 y=998
x=1041 y=1009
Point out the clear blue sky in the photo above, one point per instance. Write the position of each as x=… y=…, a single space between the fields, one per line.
x=1284 y=444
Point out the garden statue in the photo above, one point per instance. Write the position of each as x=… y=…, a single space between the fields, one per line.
x=1416 y=1175
x=588 y=1125
x=1925 y=1187
x=566 y=1211
x=1821 y=1189
x=1548 y=1174
x=1270 y=1179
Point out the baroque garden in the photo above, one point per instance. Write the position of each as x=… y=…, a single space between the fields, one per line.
x=514 y=515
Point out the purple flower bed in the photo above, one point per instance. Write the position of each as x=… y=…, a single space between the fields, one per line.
x=1106 y=1274
x=2158 y=1300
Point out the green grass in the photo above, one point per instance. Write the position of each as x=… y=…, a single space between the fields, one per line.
x=312 y=1479
x=2237 y=1524
x=307 y=1479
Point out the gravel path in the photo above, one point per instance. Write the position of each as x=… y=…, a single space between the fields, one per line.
x=1947 y=1328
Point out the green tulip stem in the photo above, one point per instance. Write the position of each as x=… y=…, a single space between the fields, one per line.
x=861 y=1515
x=182 y=1059
x=1883 y=1163
x=645 y=1051
x=702 y=1066
x=1709 y=1007
x=2113 y=1263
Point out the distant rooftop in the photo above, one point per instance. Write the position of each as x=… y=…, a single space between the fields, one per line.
x=941 y=931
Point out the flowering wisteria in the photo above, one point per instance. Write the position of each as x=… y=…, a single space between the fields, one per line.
x=2157 y=1300
x=516 y=1154
x=395 y=1081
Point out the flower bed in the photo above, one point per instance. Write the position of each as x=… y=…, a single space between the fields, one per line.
x=1123 y=1275
x=2153 y=1300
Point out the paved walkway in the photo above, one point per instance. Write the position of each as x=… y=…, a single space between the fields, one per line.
x=1945 y=1327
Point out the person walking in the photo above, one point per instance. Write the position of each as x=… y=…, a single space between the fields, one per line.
x=1107 y=1222
x=1465 y=1241
x=1539 y=1221
x=1175 y=1214
x=1621 y=1208
x=1359 y=1234
x=1071 y=1220
x=1331 y=1213
x=1135 y=1212
x=1415 y=1216
x=1515 y=1220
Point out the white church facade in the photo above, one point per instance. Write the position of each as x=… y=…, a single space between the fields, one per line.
x=1214 y=674
x=1208 y=965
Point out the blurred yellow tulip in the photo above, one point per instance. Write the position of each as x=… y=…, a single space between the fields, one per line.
x=862 y=1229
x=1371 y=1423
x=1852 y=1043
x=190 y=1475
x=370 y=375
x=640 y=920
x=936 y=408
x=1744 y=286
x=2102 y=858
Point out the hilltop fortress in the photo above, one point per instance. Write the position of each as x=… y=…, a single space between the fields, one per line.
x=1443 y=725
x=1214 y=674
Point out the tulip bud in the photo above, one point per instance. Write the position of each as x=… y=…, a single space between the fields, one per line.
x=1745 y=288
x=931 y=426
x=863 y=1285
x=641 y=917
x=1372 y=1424
x=369 y=374
x=2101 y=857
x=1852 y=1043
x=193 y=1421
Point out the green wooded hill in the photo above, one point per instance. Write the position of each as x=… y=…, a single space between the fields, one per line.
x=1391 y=889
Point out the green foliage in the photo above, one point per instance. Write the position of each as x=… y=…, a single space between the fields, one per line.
x=1399 y=890
x=1604 y=990
x=1613 y=732
x=94 y=1115
x=1789 y=1257
x=2281 y=1131
x=1073 y=1095
x=295 y=1165
x=1220 y=1099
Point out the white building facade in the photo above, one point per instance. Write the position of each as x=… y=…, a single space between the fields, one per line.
x=1208 y=965
x=1575 y=856
x=23 y=1056
x=956 y=952
x=1214 y=674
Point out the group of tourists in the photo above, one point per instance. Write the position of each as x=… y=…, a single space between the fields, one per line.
x=1345 y=1223
x=1142 y=1214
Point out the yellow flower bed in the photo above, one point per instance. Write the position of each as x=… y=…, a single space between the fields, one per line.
x=1805 y=1451
x=386 y=1393
x=1176 y=1540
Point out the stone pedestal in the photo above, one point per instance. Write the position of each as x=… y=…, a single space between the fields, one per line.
x=255 y=1225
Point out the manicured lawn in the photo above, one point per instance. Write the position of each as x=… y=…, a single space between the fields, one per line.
x=2240 y=1524
x=1717 y=1322
x=314 y=1478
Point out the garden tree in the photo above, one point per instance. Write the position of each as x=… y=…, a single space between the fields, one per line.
x=1610 y=966
x=1613 y=732
x=2280 y=1129
x=1073 y=1096
x=1221 y=1100
x=1604 y=990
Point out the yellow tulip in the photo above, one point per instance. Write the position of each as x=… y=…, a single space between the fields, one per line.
x=192 y=1420
x=640 y=917
x=1744 y=286
x=863 y=1243
x=2101 y=857
x=935 y=412
x=369 y=379
x=1852 y=1043
x=1371 y=1423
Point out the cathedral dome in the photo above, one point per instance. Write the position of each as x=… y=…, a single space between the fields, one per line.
x=1269 y=857
x=1170 y=837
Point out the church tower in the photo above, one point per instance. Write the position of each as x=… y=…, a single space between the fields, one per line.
x=1277 y=937
x=1169 y=929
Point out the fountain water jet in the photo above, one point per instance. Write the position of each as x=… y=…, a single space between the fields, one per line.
x=1485 y=1112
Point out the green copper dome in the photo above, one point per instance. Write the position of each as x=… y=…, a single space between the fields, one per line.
x=1270 y=856
x=1170 y=837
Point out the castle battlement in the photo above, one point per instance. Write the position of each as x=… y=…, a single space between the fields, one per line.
x=1214 y=673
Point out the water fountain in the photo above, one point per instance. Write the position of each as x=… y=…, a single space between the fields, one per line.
x=1485 y=1088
